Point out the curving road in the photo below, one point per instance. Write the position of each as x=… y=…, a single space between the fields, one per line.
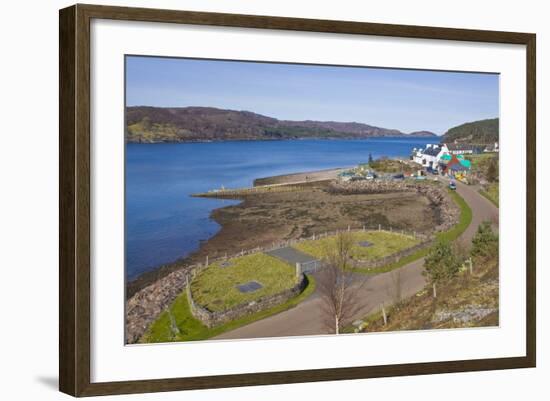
x=306 y=318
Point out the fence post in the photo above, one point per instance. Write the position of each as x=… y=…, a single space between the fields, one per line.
x=384 y=315
x=206 y=264
x=379 y=227
x=313 y=237
x=298 y=269
x=471 y=265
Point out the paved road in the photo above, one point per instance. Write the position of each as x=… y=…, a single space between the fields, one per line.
x=291 y=255
x=306 y=317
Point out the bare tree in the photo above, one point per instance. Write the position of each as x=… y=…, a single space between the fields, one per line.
x=340 y=290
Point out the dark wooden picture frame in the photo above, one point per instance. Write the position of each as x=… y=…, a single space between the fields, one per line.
x=74 y=203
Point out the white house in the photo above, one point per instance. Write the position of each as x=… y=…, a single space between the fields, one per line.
x=430 y=156
x=460 y=148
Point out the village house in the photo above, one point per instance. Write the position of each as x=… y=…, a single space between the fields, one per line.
x=430 y=156
x=463 y=148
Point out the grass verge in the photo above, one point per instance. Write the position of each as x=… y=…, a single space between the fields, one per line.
x=191 y=329
x=491 y=193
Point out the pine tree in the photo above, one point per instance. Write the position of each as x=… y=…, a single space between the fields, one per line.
x=485 y=241
x=441 y=264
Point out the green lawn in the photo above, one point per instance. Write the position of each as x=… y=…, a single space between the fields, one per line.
x=216 y=287
x=450 y=235
x=192 y=329
x=463 y=222
x=491 y=193
x=384 y=244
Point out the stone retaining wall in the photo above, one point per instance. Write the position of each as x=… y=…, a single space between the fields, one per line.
x=146 y=305
x=213 y=319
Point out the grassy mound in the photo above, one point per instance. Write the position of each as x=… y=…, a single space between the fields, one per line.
x=216 y=287
x=383 y=244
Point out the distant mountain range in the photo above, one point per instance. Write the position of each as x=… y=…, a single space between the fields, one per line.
x=477 y=132
x=187 y=124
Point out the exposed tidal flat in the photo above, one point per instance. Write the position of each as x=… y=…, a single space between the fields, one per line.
x=165 y=224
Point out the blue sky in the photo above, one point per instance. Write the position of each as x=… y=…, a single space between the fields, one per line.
x=408 y=100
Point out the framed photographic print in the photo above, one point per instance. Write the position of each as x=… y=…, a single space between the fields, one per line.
x=250 y=200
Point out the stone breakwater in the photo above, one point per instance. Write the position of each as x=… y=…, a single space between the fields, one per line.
x=449 y=212
x=212 y=319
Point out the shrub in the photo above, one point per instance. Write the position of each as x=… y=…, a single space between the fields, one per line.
x=485 y=241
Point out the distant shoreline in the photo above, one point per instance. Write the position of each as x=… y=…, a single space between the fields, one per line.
x=281 y=139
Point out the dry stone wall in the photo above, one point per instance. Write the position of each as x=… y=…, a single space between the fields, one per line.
x=213 y=319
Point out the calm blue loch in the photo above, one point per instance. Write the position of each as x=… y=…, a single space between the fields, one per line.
x=163 y=223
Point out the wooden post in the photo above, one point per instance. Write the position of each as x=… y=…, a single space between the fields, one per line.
x=363 y=228
x=298 y=269
x=471 y=265
x=206 y=264
x=391 y=229
x=379 y=227
x=384 y=315
x=313 y=237
x=434 y=290
x=348 y=228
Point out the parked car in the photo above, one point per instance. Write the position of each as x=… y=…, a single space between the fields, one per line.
x=371 y=176
x=399 y=177
x=452 y=186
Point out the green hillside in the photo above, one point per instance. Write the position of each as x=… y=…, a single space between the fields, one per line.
x=187 y=124
x=483 y=131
